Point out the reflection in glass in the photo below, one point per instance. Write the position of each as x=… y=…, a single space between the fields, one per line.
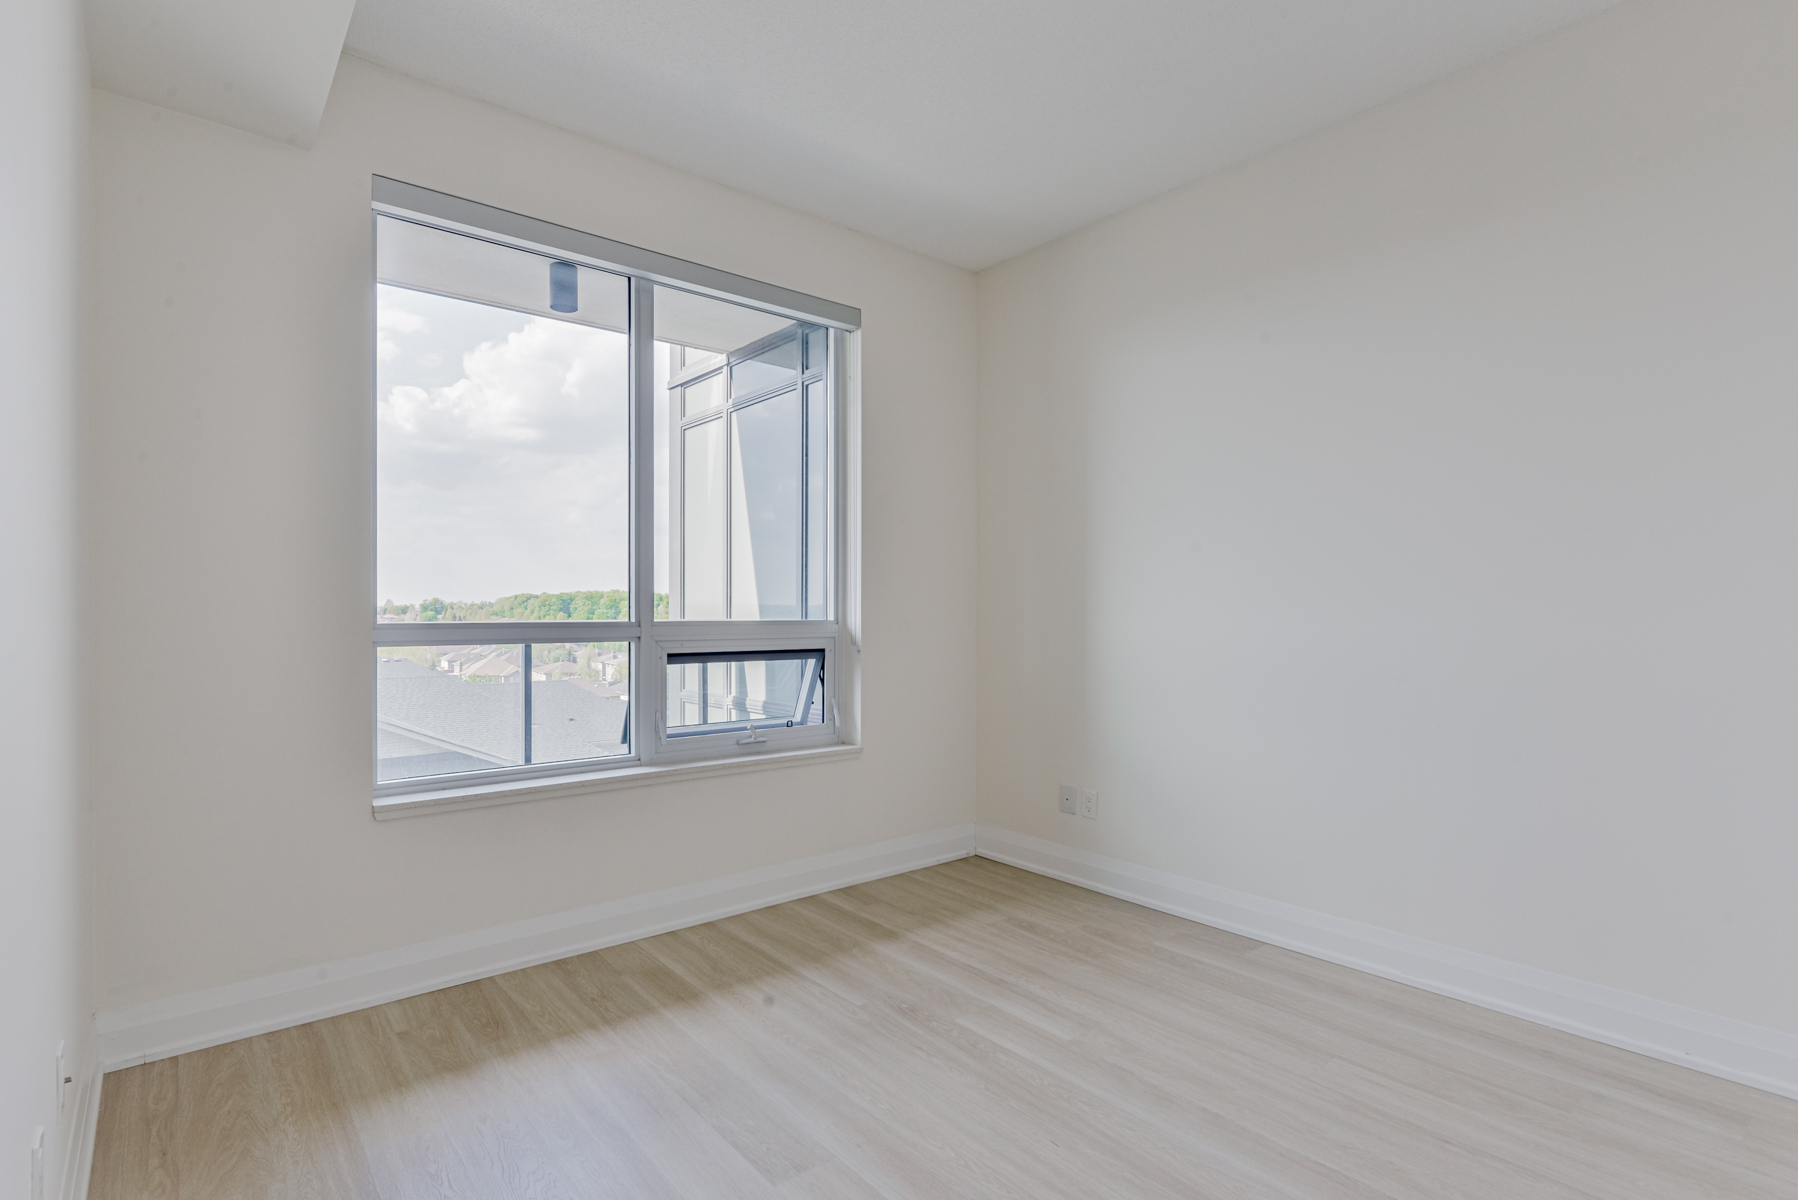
x=708 y=326
x=666 y=364
x=743 y=461
x=441 y=709
x=702 y=502
x=764 y=508
x=707 y=393
x=817 y=459
x=768 y=369
x=692 y=359
x=580 y=700
x=717 y=693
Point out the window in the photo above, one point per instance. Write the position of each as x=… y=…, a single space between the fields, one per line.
x=608 y=504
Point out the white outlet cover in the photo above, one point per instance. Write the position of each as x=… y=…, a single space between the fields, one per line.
x=1070 y=799
x=1089 y=804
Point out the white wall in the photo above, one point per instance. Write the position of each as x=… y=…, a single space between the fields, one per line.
x=230 y=481
x=1404 y=525
x=43 y=943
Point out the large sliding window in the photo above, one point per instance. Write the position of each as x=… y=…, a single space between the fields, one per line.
x=608 y=503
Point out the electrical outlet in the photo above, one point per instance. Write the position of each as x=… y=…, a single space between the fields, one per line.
x=1070 y=799
x=1089 y=804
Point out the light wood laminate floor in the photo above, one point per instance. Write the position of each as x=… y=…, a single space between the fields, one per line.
x=970 y=1030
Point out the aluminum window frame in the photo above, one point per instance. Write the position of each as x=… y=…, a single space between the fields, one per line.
x=651 y=640
x=691 y=747
x=811 y=699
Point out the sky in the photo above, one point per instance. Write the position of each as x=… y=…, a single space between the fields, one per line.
x=502 y=461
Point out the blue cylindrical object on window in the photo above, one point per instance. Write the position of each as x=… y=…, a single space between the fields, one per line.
x=564 y=287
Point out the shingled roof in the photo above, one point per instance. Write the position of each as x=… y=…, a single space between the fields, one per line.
x=433 y=723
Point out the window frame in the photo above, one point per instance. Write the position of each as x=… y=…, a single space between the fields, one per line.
x=651 y=639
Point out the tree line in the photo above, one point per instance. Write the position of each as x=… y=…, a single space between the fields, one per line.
x=612 y=605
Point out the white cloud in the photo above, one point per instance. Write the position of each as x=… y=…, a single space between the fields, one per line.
x=510 y=475
x=391 y=319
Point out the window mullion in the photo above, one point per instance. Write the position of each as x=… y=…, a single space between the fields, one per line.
x=481 y=633
x=646 y=682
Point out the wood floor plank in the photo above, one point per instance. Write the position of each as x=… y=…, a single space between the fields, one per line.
x=629 y=1107
x=1091 y=1135
x=930 y=1063
x=1212 y=1097
x=1252 y=1014
x=814 y=1093
x=889 y=1126
x=393 y=1113
x=969 y=1030
x=134 y=1157
x=509 y=1142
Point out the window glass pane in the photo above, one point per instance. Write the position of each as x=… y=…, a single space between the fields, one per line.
x=443 y=709
x=692 y=358
x=815 y=339
x=716 y=693
x=817 y=497
x=693 y=331
x=580 y=700
x=702 y=520
x=764 y=509
x=706 y=394
x=767 y=369
x=502 y=446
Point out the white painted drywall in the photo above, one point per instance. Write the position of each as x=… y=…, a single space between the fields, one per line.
x=970 y=130
x=43 y=943
x=260 y=65
x=229 y=477
x=1404 y=525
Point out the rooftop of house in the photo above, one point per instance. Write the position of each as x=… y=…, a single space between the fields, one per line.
x=431 y=722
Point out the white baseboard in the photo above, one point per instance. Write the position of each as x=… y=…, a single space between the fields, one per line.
x=1735 y=1050
x=164 y=1028
x=79 y=1166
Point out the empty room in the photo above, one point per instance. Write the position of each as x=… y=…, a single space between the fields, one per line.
x=928 y=600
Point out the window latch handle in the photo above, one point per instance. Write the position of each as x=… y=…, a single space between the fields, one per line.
x=751 y=738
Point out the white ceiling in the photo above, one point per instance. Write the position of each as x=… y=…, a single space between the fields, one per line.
x=261 y=65
x=970 y=130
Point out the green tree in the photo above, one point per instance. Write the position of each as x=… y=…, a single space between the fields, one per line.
x=609 y=605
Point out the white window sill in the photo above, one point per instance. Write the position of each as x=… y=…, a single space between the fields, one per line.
x=485 y=795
